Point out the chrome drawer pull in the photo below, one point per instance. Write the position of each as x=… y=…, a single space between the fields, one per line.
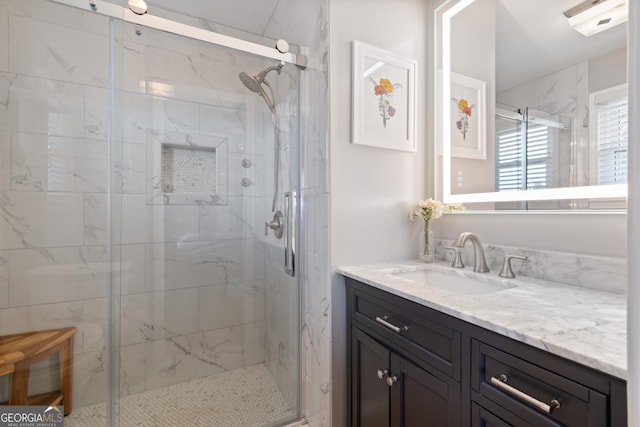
x=502 y=385
x=394 y=328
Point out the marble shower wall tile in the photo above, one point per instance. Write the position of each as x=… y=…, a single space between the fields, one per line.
x=133 y=378
x=58 y=53
x=137 y=117
x=4 y=41
x=318 y=384
x=317 y=298
x=185 y=357
x=315 y=151
x=193 y=76
x=37 y=105
x=159 y=315
x=245 y=130
x=6 y=81
x=242 y=218
x=96 y=113
x=157 y=223
x=133 y=270
x=35 y=219
x=130 y=168
x=4 y=279
x=235 y=347
x=57 y=14
x=39 y=276
x=51 y=163
x=175 y=115
x=133 y=60
x=94 y=324
x=90 y=379
x=198 y=263
x=5 y=160
x=46 y=316
x=231 y=304
x=167 y=363
x=555 y=93
x=95 y=218
x=142 y=112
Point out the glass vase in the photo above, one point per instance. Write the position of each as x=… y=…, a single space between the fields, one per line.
x=427 y=247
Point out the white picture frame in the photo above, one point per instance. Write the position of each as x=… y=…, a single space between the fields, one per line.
x=468 y=125
x=383 y=99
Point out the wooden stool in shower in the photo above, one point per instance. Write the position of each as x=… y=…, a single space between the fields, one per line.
x=19 y=351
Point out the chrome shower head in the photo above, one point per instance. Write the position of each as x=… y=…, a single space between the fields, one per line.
x=254 y=84
x=250 y=82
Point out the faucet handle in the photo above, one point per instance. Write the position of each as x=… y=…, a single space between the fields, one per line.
x=506 y=271
x=457 y=260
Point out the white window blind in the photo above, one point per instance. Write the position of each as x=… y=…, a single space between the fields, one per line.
x=611 y=137
x=514 y=152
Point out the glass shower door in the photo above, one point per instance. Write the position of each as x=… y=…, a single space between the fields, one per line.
x=136 y=177
x=209 y=325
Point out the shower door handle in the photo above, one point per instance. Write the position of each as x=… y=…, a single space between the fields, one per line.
x=290 y=207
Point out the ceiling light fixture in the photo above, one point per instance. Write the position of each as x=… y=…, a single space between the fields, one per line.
x=594 y=16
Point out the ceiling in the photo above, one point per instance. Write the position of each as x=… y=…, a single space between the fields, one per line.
x=533 y=39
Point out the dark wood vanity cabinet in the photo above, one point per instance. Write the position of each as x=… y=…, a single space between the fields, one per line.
x=390 y=390
x=414 y=366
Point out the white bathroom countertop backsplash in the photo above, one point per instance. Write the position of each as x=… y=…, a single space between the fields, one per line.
x=586 y=271
x=584 y=325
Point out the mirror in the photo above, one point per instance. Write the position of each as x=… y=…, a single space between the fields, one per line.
x=532 y=114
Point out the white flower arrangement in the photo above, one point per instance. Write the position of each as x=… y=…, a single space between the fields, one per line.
x=432 y=209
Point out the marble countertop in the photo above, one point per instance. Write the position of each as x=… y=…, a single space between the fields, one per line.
x=584 y=325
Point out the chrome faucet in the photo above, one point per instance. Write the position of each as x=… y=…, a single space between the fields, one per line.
x=479 y=263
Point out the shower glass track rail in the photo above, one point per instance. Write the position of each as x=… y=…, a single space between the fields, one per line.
x=158 y=23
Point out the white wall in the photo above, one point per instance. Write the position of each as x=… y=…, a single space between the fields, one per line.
x=603 y=234
x=371 y=188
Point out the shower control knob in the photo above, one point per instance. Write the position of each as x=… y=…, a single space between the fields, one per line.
x=277 y=225
x=282 y=46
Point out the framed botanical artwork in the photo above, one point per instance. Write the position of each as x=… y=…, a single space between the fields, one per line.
x=383 y=99
x=468 y=111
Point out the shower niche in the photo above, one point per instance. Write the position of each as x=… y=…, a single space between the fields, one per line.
x=186 y=169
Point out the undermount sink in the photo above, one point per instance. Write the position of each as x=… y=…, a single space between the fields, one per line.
x=454 y=283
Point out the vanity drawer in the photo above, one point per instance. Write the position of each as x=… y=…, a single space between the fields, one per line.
x=417 y=330
x=519 y=386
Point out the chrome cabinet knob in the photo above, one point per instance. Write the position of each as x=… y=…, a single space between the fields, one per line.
x=392 y=380
x=382 y=373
